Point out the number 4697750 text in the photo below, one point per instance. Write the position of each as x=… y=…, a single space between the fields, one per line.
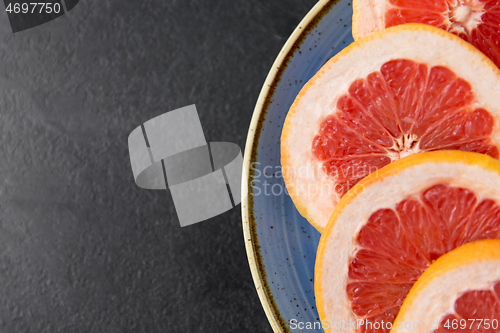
x=34 y=8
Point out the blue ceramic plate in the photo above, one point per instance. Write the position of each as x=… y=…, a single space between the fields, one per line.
x=281 y=245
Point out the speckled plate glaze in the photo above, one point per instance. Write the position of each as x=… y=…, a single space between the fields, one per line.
x=281 y=245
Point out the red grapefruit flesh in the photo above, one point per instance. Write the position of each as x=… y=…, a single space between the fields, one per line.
x=459 y=292
x=471 y=310
x=403 y=90
x=475 y=21
x=397 y=245
x=404 y=108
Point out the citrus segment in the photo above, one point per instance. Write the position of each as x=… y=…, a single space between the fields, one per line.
x=472 y=309
x=460 y=292
x=356 y=116
x=475 y=21
x=392 y=225
x=405 y=108
x=397 y=245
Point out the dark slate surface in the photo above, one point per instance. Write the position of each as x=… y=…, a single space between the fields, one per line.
x=82 y=249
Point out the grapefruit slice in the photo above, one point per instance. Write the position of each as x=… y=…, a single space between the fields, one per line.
x=475 y=21
x=403 y=90
x=460 y=292
x=390 y=227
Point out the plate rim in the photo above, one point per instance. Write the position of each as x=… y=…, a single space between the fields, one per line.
x=309 y=22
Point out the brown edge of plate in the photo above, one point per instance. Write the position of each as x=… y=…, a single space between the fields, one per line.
x=257 y=268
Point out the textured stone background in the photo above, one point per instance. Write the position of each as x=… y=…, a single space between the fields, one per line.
x=82 y=249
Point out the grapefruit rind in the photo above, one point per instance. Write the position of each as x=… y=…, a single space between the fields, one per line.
x=418 y=42
x=367 y=18
x=384 y=189
x=473 y=266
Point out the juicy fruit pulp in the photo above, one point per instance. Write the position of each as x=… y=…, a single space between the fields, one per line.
x=397 y=245
x=474 y=21
x=471 y=309
x=404 y=108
